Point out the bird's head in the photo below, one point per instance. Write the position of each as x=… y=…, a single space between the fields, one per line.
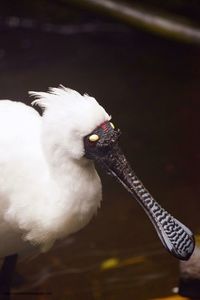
x=83 y=129
x=68 y=118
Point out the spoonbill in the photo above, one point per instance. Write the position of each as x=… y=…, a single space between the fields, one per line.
x=49 y=187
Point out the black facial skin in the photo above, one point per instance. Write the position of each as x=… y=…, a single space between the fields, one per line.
x=97 y=150
x=175 y=236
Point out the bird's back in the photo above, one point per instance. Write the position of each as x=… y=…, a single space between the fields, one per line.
x=18 y=122
x=20 y=129
x=19 y=147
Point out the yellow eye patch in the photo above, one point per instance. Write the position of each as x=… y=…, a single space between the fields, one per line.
x=112 y=125
x=93 y=138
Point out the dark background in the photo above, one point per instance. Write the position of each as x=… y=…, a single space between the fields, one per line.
x=150 y=86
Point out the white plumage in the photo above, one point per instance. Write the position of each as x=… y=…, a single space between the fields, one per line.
x=48 y=190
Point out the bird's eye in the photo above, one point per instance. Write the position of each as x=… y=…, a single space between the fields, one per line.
x=93 y=138
x=112 y=125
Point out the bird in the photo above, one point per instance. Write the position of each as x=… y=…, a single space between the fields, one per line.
x=49 y=186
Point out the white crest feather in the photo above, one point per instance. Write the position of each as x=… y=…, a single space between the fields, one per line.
x=84 y=112
x=44 y=99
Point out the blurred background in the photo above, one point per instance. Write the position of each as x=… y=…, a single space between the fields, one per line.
x=140 y=59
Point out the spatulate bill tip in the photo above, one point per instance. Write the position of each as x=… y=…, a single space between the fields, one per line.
x=184 y=256
x=181 y=251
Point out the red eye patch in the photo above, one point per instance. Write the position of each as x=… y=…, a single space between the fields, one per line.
x=105 y=126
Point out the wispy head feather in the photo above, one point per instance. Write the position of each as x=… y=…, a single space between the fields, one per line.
x=69 y=113
x=46 y=99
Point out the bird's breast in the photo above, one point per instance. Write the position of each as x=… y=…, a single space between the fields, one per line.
x=82 y=199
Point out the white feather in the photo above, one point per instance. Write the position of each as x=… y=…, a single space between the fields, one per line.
x=48 y=190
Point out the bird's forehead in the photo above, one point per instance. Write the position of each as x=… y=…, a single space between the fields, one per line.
x=93 y=118
x=71 y=110
x=105 y=126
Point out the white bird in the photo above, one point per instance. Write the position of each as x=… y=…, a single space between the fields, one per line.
x=49 y=187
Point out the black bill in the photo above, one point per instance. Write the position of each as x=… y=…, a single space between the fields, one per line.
x=175 y=236
x=102 y=145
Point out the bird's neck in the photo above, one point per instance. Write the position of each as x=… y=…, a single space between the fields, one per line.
x=65 y=170
x=79 y=189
